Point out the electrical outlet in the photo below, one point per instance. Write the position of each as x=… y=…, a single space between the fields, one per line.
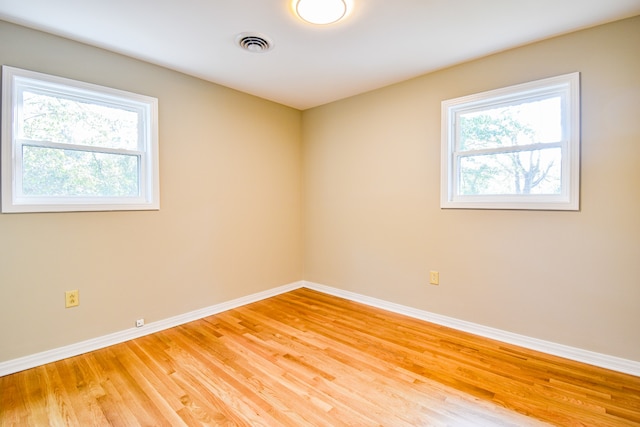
x=434 y=277
x=71 y=298
x=139 y=323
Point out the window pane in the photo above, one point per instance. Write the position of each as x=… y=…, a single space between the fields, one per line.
x=56 y=172
x=525 y=123
x=523 y=172
x=46 y=117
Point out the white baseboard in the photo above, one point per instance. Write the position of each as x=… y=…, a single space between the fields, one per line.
x=602 y=360
x=31 y=361
x=579 y=355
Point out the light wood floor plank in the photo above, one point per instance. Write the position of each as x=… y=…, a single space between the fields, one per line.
x=309 y=359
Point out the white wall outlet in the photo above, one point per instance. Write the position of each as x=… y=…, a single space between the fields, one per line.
x=139 y=323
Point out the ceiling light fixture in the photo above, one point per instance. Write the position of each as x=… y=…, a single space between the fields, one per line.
x=321 y=12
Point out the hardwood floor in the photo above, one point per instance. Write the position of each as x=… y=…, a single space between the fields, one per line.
x=308 y=359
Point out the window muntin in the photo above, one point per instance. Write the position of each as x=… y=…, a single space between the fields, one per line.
x=73 y=146
x=513 y=148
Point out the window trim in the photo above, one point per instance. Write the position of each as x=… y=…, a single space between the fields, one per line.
x=13 y=80
x=569 y=85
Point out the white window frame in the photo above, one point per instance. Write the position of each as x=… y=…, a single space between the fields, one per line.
x=568 y=86
x=13 y=201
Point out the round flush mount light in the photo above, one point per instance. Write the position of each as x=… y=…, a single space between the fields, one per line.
x=321 y=12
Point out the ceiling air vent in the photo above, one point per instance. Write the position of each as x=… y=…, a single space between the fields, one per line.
x=254 y=42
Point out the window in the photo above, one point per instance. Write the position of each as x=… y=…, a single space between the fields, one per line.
x=73 y=146
x=513 y=148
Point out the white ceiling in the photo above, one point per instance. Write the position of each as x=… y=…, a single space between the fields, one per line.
x=381 y=42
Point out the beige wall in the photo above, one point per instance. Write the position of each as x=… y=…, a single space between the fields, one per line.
x=373 y=224
x=229 y=223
